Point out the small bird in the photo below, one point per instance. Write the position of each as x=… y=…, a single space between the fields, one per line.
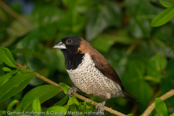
x=90 y=71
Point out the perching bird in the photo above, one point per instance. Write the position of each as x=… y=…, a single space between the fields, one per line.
x=90 y=71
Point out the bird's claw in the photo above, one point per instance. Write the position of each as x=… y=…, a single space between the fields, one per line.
x=71 y=90
x=100 y=106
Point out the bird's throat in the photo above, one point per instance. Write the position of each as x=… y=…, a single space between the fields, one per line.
x=72 y=61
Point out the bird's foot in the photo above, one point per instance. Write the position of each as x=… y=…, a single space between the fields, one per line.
x=100 y=106
x=71 y=90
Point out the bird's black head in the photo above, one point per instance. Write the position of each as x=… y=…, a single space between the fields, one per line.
x=69 y=45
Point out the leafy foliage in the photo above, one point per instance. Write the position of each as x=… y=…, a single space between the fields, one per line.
x=166 y=15
x=7 y=57
x=160 y=107
x=121 y=30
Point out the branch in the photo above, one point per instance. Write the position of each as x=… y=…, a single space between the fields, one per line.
x=152 y=106
x=40 y=76
x=77 y=95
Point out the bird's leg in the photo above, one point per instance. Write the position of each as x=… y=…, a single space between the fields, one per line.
x=71 y=90
x=100 y=106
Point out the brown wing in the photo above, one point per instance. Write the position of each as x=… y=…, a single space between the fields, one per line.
x=102 y=64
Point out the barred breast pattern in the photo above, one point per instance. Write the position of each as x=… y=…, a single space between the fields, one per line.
x=91 y=81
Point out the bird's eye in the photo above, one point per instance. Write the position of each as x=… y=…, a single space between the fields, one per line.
x=69 y=41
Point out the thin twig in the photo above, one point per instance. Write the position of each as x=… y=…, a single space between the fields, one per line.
x=131 y=48
x=152 y=106
x=40 y=76
x=77 y=95
x=13 y=14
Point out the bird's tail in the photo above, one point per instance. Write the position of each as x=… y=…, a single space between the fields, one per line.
x=130 y=97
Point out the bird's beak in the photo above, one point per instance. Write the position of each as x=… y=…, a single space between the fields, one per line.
x=60 y=45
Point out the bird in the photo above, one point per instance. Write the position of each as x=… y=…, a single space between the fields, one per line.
x=90 y=71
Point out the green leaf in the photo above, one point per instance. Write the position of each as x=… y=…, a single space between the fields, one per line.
x=160 y=106
x=62 y=101
x=30 y=41
x=65 y=87
x=56 y=111
x=14 y=85
x=1 y=62
x=51 y=13
x=28 y=56
x=170 y=1
x=163 y=17
x=71 y=22
x=43 y=92
x=6 y=69
x=139 y=66
x=36 y=107
x=73 y=100
x=4 y=78
x=136 y=85
x=107 y=40
x=100 y=41
x=130 y=115
x=159 y=37
x=143 y=93
x=158 y=114
x=106 y=14
x=81 y=6
x=167 y=82
x=156 y=78
x=123 y=37
x=139 y=21
x=172 y=114
x=86 y=107
x=12 y=103
x=7 y=57
x=34 y=53
x=74 y=108
x=166 y=4
x=69 y=3
x=155 y=66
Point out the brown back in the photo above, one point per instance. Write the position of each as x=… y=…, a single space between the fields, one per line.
x=100 y=62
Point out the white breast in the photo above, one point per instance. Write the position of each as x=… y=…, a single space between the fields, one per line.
x=91 y=81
